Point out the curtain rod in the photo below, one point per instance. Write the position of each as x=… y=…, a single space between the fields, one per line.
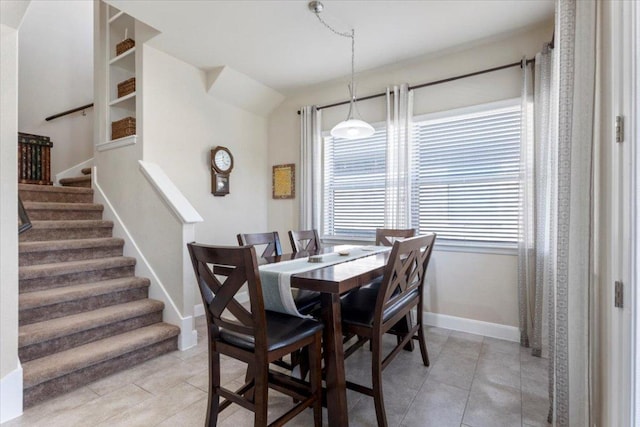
x=436 y=82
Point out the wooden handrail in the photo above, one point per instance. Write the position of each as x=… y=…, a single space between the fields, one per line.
x=73 y=110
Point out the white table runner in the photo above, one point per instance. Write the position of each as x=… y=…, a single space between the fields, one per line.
x=276 y=277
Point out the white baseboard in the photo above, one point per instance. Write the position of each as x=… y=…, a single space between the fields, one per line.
x=73 y=171
x=171 y=314
x=478 y=327
x=11 y=395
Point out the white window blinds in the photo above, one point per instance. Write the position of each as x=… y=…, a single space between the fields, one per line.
x=354 y=185
x=467 y=181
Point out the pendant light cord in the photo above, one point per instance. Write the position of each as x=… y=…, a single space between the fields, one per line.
x=351 y=35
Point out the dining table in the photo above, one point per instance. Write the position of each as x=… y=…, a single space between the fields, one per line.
x=332 y=282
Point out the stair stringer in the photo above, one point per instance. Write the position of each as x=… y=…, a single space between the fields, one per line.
x=171 y=314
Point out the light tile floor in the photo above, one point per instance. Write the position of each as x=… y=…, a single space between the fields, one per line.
x=473 y=381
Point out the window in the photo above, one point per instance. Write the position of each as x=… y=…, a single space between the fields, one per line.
x=468 y=177
x=354 y=181
x=465 y=182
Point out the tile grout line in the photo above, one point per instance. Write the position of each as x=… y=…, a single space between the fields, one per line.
x=475 y=370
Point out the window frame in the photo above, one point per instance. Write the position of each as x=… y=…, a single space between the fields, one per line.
x=468 y=246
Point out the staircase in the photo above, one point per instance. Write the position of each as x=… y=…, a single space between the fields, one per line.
x=83 y=314
x=81 y=181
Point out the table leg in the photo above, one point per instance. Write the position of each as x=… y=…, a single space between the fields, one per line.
x=334 y=361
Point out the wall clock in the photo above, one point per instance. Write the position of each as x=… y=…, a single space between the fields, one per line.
x=221 y=166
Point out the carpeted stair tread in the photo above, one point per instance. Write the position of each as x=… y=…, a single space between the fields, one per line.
x=75 y=180
x=59 y=364
x=51 y=193
x=74 y=223
x=29 y=300
x=62 y=206
x=59 y=245
x=52 y=211
x=60 y=268
x=63 y=326
x=86 y=171
x=66 y=230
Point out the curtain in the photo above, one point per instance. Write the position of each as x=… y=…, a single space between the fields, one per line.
x=571 y=315
x=536 y=225
x=310 y=172
x=398 y=196
x=555 y=263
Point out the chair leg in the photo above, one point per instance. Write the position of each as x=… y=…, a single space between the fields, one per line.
x=315 y=378
x=249 y=376
x=422 y=341
x=214 y=385
x=261 y=396
x=376 y=380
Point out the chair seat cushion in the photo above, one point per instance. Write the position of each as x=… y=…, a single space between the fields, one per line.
x=306 y=301
x=358 y=307
x=282 y=330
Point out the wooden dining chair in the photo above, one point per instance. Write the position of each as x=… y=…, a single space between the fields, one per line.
x=386 y=236
x=253 y=335
x=270 y=239
x=370 y=313
x=304 y=240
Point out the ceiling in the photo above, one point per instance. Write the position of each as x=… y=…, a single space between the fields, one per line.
x=284 y=46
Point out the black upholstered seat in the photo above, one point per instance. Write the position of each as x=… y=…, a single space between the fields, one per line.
x=282 y=330
x=358 y=307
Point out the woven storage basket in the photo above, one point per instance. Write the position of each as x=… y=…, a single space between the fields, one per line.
x=126 y=87
x=124 y=127
x=124 y=46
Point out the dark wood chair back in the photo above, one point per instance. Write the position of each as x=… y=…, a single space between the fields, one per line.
x=386 y=236
x=400 y=291
x=253 y=336
x=270 y=239
x=304 y=240
x=404 y=273
x=221 y=272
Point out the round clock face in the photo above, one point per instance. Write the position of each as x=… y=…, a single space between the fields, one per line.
x=222 y=160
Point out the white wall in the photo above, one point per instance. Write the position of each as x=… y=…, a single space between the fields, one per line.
x=56 y=74
x=11 y=14
x=485 y=289
x=181 y=125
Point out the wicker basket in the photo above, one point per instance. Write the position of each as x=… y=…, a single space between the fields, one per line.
x=126 y=87
x=122 y=128
x=124 y=46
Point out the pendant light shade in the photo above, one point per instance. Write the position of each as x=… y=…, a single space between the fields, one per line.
x=351 y=129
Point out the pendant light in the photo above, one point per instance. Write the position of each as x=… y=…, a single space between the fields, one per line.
x=350 y=128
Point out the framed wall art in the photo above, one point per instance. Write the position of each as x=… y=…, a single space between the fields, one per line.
x=283 y=183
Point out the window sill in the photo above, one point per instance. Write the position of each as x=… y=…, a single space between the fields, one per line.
x=441 y=246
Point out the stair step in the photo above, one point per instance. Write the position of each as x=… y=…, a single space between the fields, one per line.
x=86 y=171
x=49 y=251
x=64 y=230
x=78 y=181
x=50 y=193
x=52 y=336
x=39 y=211
x=47 y=276
x=70 y=369
x=38 y=306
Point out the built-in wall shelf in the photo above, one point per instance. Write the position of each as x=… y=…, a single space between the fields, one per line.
x=116 y=16
x=128 y=102
x=117 y=143
x=120 y=68
x=126 y=60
